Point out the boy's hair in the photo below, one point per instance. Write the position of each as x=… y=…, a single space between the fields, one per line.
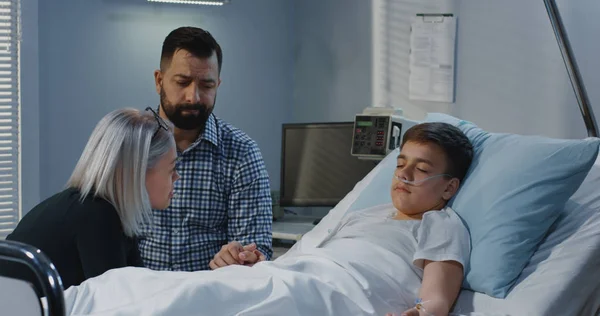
x=458 y=148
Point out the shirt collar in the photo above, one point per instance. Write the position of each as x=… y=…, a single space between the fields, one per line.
x=210 y=130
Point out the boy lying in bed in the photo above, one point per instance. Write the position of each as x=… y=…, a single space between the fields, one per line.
x=377 y=260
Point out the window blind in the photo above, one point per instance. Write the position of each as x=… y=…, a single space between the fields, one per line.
x=391 y=50
x=10 y=210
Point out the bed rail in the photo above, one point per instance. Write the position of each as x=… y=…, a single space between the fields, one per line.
x=47 y=275
x=572 y=69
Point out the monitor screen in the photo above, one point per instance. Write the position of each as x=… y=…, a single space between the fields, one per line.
x=317 y=168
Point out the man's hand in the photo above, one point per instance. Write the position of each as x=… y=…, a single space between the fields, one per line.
x=251 y=255
x=235 y=253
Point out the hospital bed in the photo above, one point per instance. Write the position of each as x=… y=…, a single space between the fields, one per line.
x=561 y=278
x=563 y=275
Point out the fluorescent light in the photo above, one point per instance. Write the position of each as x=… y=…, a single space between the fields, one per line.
x=222 y=2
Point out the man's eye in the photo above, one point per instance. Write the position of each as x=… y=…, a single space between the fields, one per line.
x=422 y=170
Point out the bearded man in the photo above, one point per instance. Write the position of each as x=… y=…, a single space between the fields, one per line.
x=221 y=211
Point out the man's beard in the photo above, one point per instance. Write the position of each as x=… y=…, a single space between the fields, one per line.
x=186 y=122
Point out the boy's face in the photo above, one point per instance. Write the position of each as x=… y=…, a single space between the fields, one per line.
x=417 y=162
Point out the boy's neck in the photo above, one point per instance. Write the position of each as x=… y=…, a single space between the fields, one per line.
x=405 y=217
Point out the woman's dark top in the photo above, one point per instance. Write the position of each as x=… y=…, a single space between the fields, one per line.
x=83 y=239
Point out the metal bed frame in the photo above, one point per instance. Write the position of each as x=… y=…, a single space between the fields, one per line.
x=572 y=69
x=45 y=272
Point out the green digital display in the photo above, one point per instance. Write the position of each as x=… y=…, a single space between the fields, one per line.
x=364 y=123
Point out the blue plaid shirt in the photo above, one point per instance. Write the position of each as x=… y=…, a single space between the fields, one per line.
x=223 y=195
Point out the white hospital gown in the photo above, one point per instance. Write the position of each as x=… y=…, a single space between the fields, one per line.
x=370 y=265
x=389 y=253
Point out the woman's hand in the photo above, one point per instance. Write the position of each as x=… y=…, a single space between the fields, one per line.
x=235 y=254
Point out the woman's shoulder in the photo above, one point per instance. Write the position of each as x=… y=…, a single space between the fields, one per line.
x=89 y=208
x=60 y=202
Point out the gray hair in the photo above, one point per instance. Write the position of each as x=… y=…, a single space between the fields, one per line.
x=123 y=146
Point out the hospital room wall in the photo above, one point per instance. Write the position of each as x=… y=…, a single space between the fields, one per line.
x=320 y=69
x=510 y=76
x=332 y=65
x=332 y=60
x=99 y=55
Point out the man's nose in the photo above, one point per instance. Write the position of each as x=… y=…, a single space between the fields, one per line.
x=192 y=94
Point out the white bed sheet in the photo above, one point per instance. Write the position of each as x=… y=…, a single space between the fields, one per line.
x=339 y=278
x=307 y=285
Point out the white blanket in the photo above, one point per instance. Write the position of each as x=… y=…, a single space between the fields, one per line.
x=369 y=266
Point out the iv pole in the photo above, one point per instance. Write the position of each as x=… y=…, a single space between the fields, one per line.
x=572 y=69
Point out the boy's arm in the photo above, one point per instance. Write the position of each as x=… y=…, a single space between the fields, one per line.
x=440 y=287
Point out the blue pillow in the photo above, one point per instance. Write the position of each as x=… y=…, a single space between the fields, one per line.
x=514 y=191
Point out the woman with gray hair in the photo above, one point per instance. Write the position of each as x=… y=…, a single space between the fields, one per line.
x=127 y=169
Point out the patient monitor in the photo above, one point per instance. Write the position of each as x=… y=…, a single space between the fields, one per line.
x=377 y=131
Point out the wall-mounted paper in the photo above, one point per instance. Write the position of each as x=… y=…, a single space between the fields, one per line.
x=432 y=44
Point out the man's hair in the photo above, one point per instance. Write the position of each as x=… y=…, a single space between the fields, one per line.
x=193 y=39
x=458 y=148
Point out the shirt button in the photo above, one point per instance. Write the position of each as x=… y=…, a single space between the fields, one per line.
x=175 y=267
x=175 y=231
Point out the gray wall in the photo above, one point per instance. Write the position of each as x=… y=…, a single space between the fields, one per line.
x=286 y=61
x=99 y=55
x=332 y=59
x=510 y=76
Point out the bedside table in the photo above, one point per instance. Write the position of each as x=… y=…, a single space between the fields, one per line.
x=293 y=227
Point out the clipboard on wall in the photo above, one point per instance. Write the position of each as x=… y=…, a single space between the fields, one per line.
x=431 y=60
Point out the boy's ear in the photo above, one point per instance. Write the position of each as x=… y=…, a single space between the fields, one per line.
x=451 y=189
